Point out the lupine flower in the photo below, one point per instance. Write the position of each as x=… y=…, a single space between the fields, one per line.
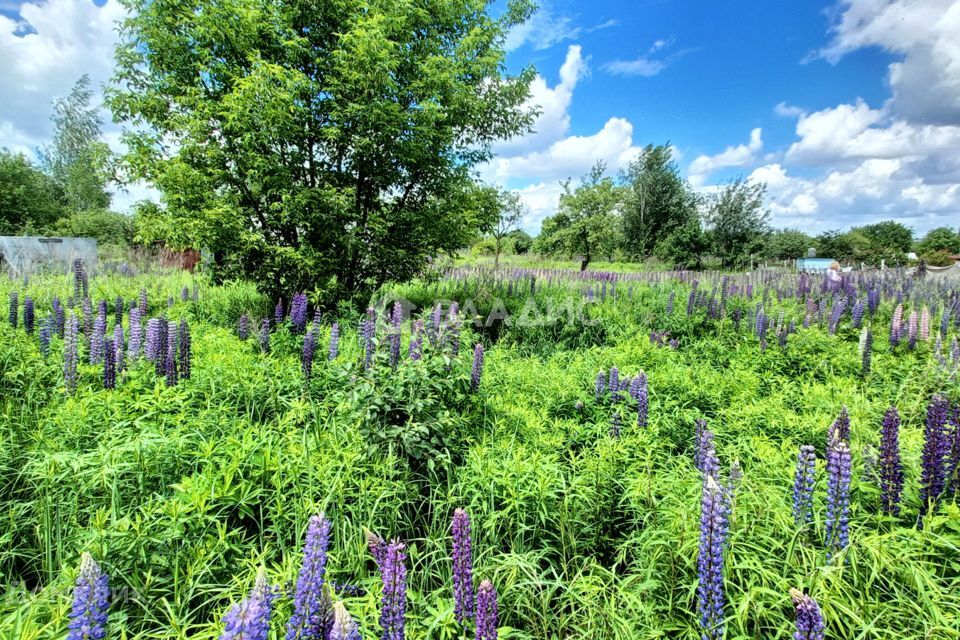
x=838 y=497
x=642 y=398
x=453 y=330
x=306 y=357
x=866 y=350
x=184 y=294
x=840 y=429
x=415 y=349
x=278 y=313
x=925 y=323
x=896 y=325
x=334 y=341
x=91 y=599
x=298 y=312
x=600 y=385
x=873 y=301
x=59 y=315
x=803 y=481
x=393 y=605
x=28 y=314
x=706 y=455
x=250 y=619
x=109 y=364
x=836 y=314
x=317 y=318
x=945 y=322
x=135 y=344
x=70 y=353
x=185 y=350
x=344 y=627
x=713 y=533
x=935 y=448
x=377 y=547
x=614 y=385
x=477 y=369
x=856 y=315
x=890 y=467
x=809 y=619
x=46 y=332
x=99 y=333
x=615 y=425
x=367 y=333
x=118 y=347
x=170 y=363
x=86 y=308
x=692 y=298
x=118 y=310
x=487 y=614
x=308 y=621
x=462 y=566
x=670 y=300
x=243 y=327
x=142 y=302
x=912 y=330
x=169 y=302
x=396 y=322
x=265 y=335
x=77 y=277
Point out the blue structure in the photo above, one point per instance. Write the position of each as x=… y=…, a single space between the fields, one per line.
x=814 y=265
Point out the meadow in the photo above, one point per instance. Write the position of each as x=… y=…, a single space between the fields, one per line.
x=624 y=446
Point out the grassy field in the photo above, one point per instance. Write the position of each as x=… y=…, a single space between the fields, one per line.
x=587 y=523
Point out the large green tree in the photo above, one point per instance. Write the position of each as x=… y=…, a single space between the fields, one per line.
x=586 y=222
x=738 y=223
x=787 y=244
x=30 y=200
x=656 y=202
x=317 y=145
x=940 y=239
x=77 y=158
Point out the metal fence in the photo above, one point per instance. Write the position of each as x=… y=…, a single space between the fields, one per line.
x=24 y=255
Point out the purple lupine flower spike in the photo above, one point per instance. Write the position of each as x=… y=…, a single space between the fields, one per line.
x=615 y=425
x=396 y=322
x=278 y=314
x=599 y=386
x=803 y=482
x=91 y=601
x=70 y=340
x=14 y=309
x=840 y=429
x=185 y=350
x=118 y=310
x=614 y=385
x=118 y=346
x=46 y=332
x=309 y=618
x=643 y=400
x=334 y=347
x=298 y=312
x=250 y=619
x=809 y=619
x=99 y=334
x=866 y=350
x=109 y=364
x=170 y=362
x=934 y=458
x=29 y=317
x=344 y=627
x=477 y=371
x=710 y=588
x=142 y=302
x=243 y=327
x=135 y=344
x=367 y=334
x=838 y=497
x=60 y=318
x=264 y=335
x=415 y=350
x=393 y=605
x=462 y=566
x=377 y=547
x=890 y=467
x=487 y=614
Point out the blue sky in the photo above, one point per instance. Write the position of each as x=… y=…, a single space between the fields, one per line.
x=849 y=110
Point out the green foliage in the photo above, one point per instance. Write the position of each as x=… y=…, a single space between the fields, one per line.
x=108 y=227
x=657 y=201
x=684 y=247
x=586 y=223
x=29 y=199
x=787 y=244
x=834 y=244
x=738 y=223
x=320 y=146
x=941 y=238
x=938 y=258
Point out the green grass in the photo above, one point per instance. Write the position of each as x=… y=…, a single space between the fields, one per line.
x=183 y=492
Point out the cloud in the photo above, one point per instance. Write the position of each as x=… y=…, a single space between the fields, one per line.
x=646 y=65
x=785 y=110
x=738 y=156
x=545 y=29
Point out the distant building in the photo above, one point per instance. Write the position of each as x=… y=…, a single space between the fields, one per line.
x=814 y=265
x=23 y=255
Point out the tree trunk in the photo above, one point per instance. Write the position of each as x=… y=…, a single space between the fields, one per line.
x=584 y=262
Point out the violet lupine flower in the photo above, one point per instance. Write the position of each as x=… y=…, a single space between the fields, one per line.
x=890 y=467
x=809 y=619
x=250 y=619
x=615 y=425
x=59 y=314
x=334 y=347
x=706 y=455
x=367 y=332
x=836 y=314
x=278 y=313
x=477 y=369
x=393 y=604
x=170 y=362
x=896 y=325
x=298 y=312
x=377 y=547
x=91 y=600
x=838 y=497
x=670 y=300
x=77 y=277
x=308 y=621
x=866 y=350
x=306 y=357
x=142 y=302
x=28 y=314
x=46 y=332
x=857 y=313
x=109 y=364
x=118 y=310
x=135 y=344
x=642 y=398
x=170 y=302
x=462 y=566
x=840 y=429
x=264 y=337
x=692 y=298
x=185 y=350
x=945 y=322
x=803 y=481
x=873 y=301
x=453 y=333
x=924 y=324
x=487 y=613
x=153 y=339
x=396 y=322
x=14 y=309
x=317 y=318
x=99 y=334
x=934 y=459
x=614 y=385
x=600 y=385
x=184 y=294
x=118 y=347
x=344 y=627
x=912 y=330
x=713 y=533
x=415 y=349
x=70 y=338
x=243 y=327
